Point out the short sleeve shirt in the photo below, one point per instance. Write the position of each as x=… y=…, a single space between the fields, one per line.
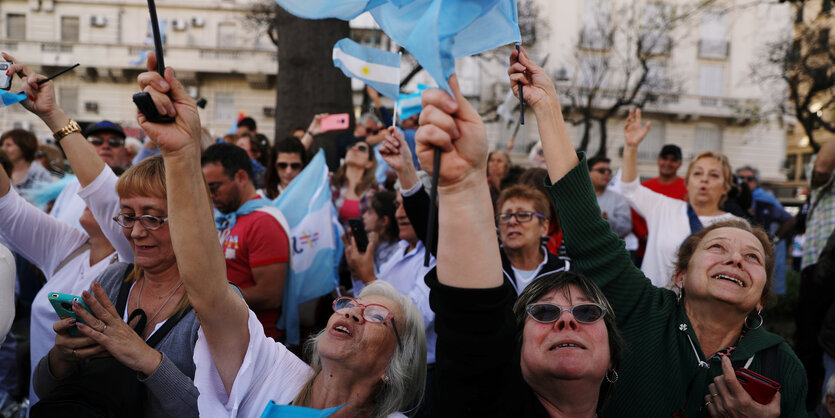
x=257 y=239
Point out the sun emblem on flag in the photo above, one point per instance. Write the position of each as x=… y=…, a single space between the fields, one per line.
x=365 y=70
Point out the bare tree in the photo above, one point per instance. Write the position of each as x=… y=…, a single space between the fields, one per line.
x=806 y=66
x=621 y=62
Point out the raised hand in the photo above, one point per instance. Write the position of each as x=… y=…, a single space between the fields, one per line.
x=315 y=127
x=536 y=84
x=171 y=99
x=394 y=149
x=453 y=126
x=633 y=132
x=360 y=264
x=40 y=98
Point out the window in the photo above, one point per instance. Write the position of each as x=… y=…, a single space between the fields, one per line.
x=656 y=77
x=651 y=145
x=593 y=71
x=69 y=28
x=68 y=99
x=596 y=31
x=654 y=38
x=708 y=138
x=226 y=35
x=713 y=36
x=15 y=26
x=711 y=83
x=224 y=106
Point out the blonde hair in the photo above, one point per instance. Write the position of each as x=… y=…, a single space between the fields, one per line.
x=727 y=171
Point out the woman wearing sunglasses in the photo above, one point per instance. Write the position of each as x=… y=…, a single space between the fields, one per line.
x=289 y=159
x=683 y=352
x=368 y=362
x=554 y=350
x=353 y=183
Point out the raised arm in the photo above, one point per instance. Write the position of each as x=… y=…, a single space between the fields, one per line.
x=223 y=314
x=541 y=96
x=633 y=134
x=85 y=162
x=315 y=128
x=468 y=252
x=824 y=165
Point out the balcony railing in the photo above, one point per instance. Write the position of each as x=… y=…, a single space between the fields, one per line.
x=714 y=48
x=595 y=39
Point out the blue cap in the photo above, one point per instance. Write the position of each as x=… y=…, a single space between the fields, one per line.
x=105 y=126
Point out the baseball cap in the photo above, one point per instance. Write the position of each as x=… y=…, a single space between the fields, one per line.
x=670 y=149
x=105 y=126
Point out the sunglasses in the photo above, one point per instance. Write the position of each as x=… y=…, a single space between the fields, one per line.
x=113 y=142
x=361 y=147
x=151 y=223
x=747 y=178
x=603 y=170
x=587 y=313
x=294 y=166
x=373 y=313
x=521 y=217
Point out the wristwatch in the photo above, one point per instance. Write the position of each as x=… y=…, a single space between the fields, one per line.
x=72 y=127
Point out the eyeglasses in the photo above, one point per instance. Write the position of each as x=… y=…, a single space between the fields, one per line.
x=361 y=147
x=113 y=142
x=294 y=166
x=151 y=223
x=603 y=170
x=587 y=313
x=372 y=313
x=521 y=217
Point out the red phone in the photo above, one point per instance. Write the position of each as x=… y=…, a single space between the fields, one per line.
x=761 y=388
x=335 y=122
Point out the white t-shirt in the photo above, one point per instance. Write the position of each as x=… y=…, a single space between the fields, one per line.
x=668 y=226
x=7 y=280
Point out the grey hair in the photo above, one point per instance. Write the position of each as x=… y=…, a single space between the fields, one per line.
x=830 y=387
x=407 y=369
x=751 y=169
x=365 y=117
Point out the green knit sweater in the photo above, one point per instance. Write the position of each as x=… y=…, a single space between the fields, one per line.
x=660 y=374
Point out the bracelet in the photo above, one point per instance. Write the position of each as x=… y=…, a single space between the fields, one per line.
x=72 y=127
x=309 y=133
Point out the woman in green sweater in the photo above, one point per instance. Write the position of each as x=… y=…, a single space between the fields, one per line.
x=681 y=353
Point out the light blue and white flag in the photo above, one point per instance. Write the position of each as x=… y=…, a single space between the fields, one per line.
x=315 y=243
x=8 y=99
x=377 y=68
x=409 y=103
x=435 y=32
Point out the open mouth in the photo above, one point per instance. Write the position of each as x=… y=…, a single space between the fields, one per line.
x=729 y=278
x=340 y=328
x=565 y=345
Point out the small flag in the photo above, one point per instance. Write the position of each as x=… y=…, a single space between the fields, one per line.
x=409 y=103
x=8 y=99
x=377 y=68
x=142 y=57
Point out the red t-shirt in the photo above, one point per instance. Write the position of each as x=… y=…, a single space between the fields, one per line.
x=257 y=239
x=350 y=209
x=676 y=190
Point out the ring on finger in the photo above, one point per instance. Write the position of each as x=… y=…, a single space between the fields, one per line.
x=74 y=353
x=104 y=329
x=708 y=402
x=714 y=395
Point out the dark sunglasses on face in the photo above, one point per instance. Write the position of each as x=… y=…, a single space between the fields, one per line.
x=372 y=313
x=587 y=313
x=151 y=223
x=603 y=170
x=361 y=147
x=747 y=178
x=294 y=166
x=113 y=142
x=521 y=217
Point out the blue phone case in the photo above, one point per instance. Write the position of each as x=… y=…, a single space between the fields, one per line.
x=62 y=303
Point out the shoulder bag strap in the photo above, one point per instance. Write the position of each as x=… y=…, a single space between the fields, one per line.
x=166 y=327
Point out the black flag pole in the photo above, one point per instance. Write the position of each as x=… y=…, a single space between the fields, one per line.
x=433 y=207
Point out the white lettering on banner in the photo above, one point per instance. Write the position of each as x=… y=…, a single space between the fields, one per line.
x=313 y=234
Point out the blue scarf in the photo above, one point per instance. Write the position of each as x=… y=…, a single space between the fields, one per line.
x=291 y=411
x=225 y=221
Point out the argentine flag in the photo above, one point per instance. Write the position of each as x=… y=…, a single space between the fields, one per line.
x=409 y=103
x=377 y=68
x=315 y=243
x=8 y=99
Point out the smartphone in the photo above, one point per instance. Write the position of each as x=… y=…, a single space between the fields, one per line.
x=335 y=122
x=358 y=231
x=143 y=100
x=5 y=80
x=761 y=388
x=62 y=303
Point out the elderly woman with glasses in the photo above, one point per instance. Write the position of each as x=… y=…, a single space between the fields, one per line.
x=369 y=361
x=523 y=221
x=554 y=350
x=684 y=353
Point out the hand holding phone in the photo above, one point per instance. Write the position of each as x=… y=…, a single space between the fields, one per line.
x=62 y=303
x=335 y=122
x=359 y=234
x=5 y=80
x=761 y=388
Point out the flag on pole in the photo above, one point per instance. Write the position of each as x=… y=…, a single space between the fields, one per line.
x=8 y=99
x=435 y=32
x=377 y=68
x=409 y=103
x=315 y=243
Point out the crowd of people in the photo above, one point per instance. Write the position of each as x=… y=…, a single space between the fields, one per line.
x=565 y=289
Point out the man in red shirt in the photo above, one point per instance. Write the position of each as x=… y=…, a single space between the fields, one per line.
x=667 y=183
x=255 y=243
